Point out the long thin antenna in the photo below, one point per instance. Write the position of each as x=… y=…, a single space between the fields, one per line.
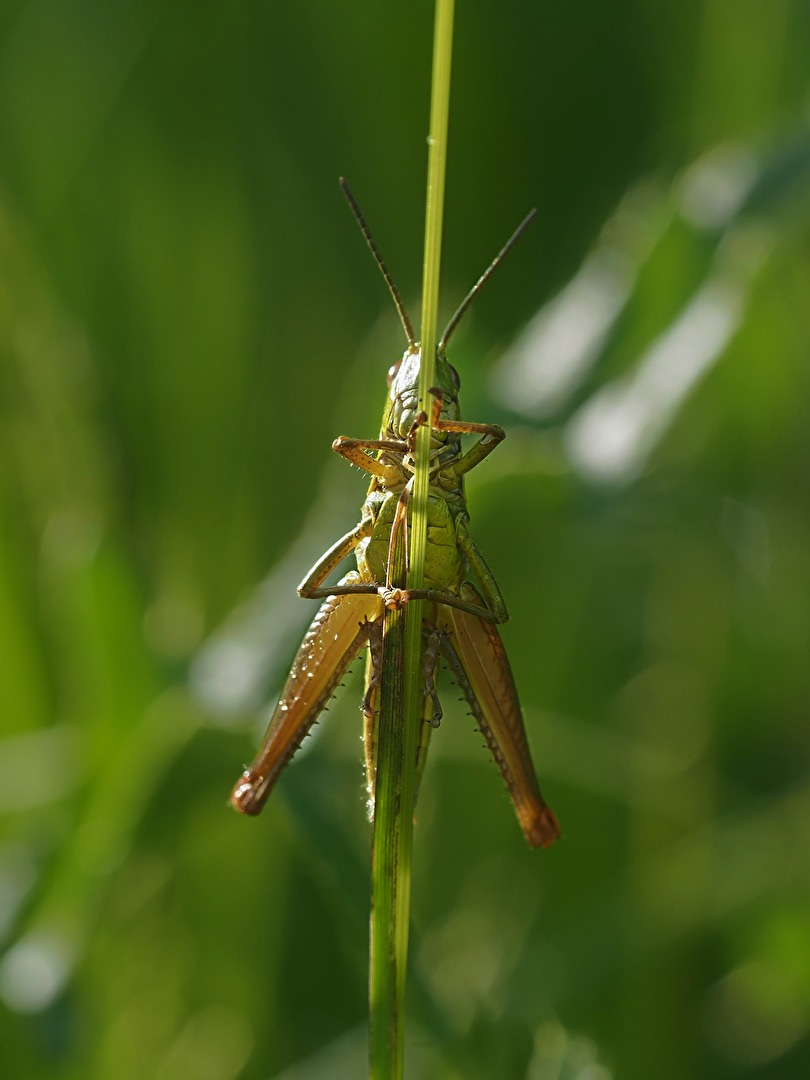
x=487 y=274
x=375 y=251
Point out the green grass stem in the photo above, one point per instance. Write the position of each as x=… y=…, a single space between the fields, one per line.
x=402 y=695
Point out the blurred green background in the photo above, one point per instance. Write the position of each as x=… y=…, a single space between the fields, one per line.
x=188 y=317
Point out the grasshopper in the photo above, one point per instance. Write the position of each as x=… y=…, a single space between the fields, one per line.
x=460 y=616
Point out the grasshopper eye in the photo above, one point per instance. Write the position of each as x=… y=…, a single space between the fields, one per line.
x=392 y=371
x=455 y=376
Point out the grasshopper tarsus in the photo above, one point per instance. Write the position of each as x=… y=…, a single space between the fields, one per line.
x=418 y=421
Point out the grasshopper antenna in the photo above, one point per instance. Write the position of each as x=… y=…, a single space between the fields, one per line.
x=487 y=274
x=375 y=251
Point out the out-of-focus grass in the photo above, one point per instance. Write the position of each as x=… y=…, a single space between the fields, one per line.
x=187 y=318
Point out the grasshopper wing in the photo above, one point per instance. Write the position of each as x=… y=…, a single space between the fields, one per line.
x=337 y=634
x=475 y=654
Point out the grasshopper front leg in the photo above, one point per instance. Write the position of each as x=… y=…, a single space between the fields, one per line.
x=491 y=435
x=357 y=452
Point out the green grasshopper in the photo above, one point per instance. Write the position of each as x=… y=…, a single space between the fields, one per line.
x=460 y=617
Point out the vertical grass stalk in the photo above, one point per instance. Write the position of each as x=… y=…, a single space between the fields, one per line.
x=402 y=692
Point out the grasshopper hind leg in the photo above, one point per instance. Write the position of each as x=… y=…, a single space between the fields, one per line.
x=338 y=632
x=477 y=659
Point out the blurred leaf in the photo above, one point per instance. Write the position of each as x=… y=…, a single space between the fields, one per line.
x=187 y=320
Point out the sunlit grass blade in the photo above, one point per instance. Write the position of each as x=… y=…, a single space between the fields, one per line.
x=402 y=692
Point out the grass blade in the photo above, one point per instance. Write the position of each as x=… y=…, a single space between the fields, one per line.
x=401 y=703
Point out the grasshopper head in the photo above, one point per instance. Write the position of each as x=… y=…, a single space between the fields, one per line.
x=403 y=393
